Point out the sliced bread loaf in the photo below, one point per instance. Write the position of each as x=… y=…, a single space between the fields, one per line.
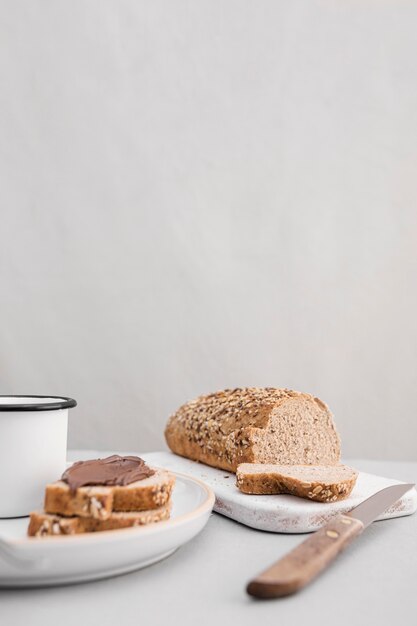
x=254 y=425
x=42 y=524
x=322 y=483
x=100 y=501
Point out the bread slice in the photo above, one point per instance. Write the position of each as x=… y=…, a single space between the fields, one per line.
x=255 y=425
x=322 y=483
x=42 y=524
x=100 y=501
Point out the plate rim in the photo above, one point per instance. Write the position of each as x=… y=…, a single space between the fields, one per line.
x=120 y=534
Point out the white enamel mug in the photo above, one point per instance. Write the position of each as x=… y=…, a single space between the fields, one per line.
x=33 y=449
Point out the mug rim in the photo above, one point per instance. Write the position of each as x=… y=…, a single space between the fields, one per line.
x=61 y=403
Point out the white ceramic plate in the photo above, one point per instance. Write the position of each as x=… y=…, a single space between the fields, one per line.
x=35 y=562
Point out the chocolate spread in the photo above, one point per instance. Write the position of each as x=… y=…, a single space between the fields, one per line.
x=114 y=470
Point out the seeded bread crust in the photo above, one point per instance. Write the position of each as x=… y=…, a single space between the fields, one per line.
x=254 y=425
x=99 y=502
x=44 y=524
x=318 y=483
x=94 y=502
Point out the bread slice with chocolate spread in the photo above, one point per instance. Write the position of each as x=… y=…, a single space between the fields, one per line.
x=99 y=502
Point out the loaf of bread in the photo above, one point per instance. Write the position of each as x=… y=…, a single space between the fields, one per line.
x=255 y=425
x=322 y=483
x=100 y=501
x=42 y=524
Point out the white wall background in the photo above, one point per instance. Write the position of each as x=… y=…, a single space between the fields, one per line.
x=203 y=194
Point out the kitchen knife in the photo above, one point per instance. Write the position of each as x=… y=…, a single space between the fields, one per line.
x=300 y=566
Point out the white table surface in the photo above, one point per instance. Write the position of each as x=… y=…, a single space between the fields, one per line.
x=373 y=582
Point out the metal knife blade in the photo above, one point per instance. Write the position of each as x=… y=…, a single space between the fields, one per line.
x=368 y=510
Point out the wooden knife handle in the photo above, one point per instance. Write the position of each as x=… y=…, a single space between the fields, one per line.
x=297 y=568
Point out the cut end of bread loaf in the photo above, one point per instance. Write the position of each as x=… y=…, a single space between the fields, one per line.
x=321 y=483
x=255 y=425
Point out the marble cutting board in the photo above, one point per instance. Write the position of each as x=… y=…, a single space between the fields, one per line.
x=280 y=514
